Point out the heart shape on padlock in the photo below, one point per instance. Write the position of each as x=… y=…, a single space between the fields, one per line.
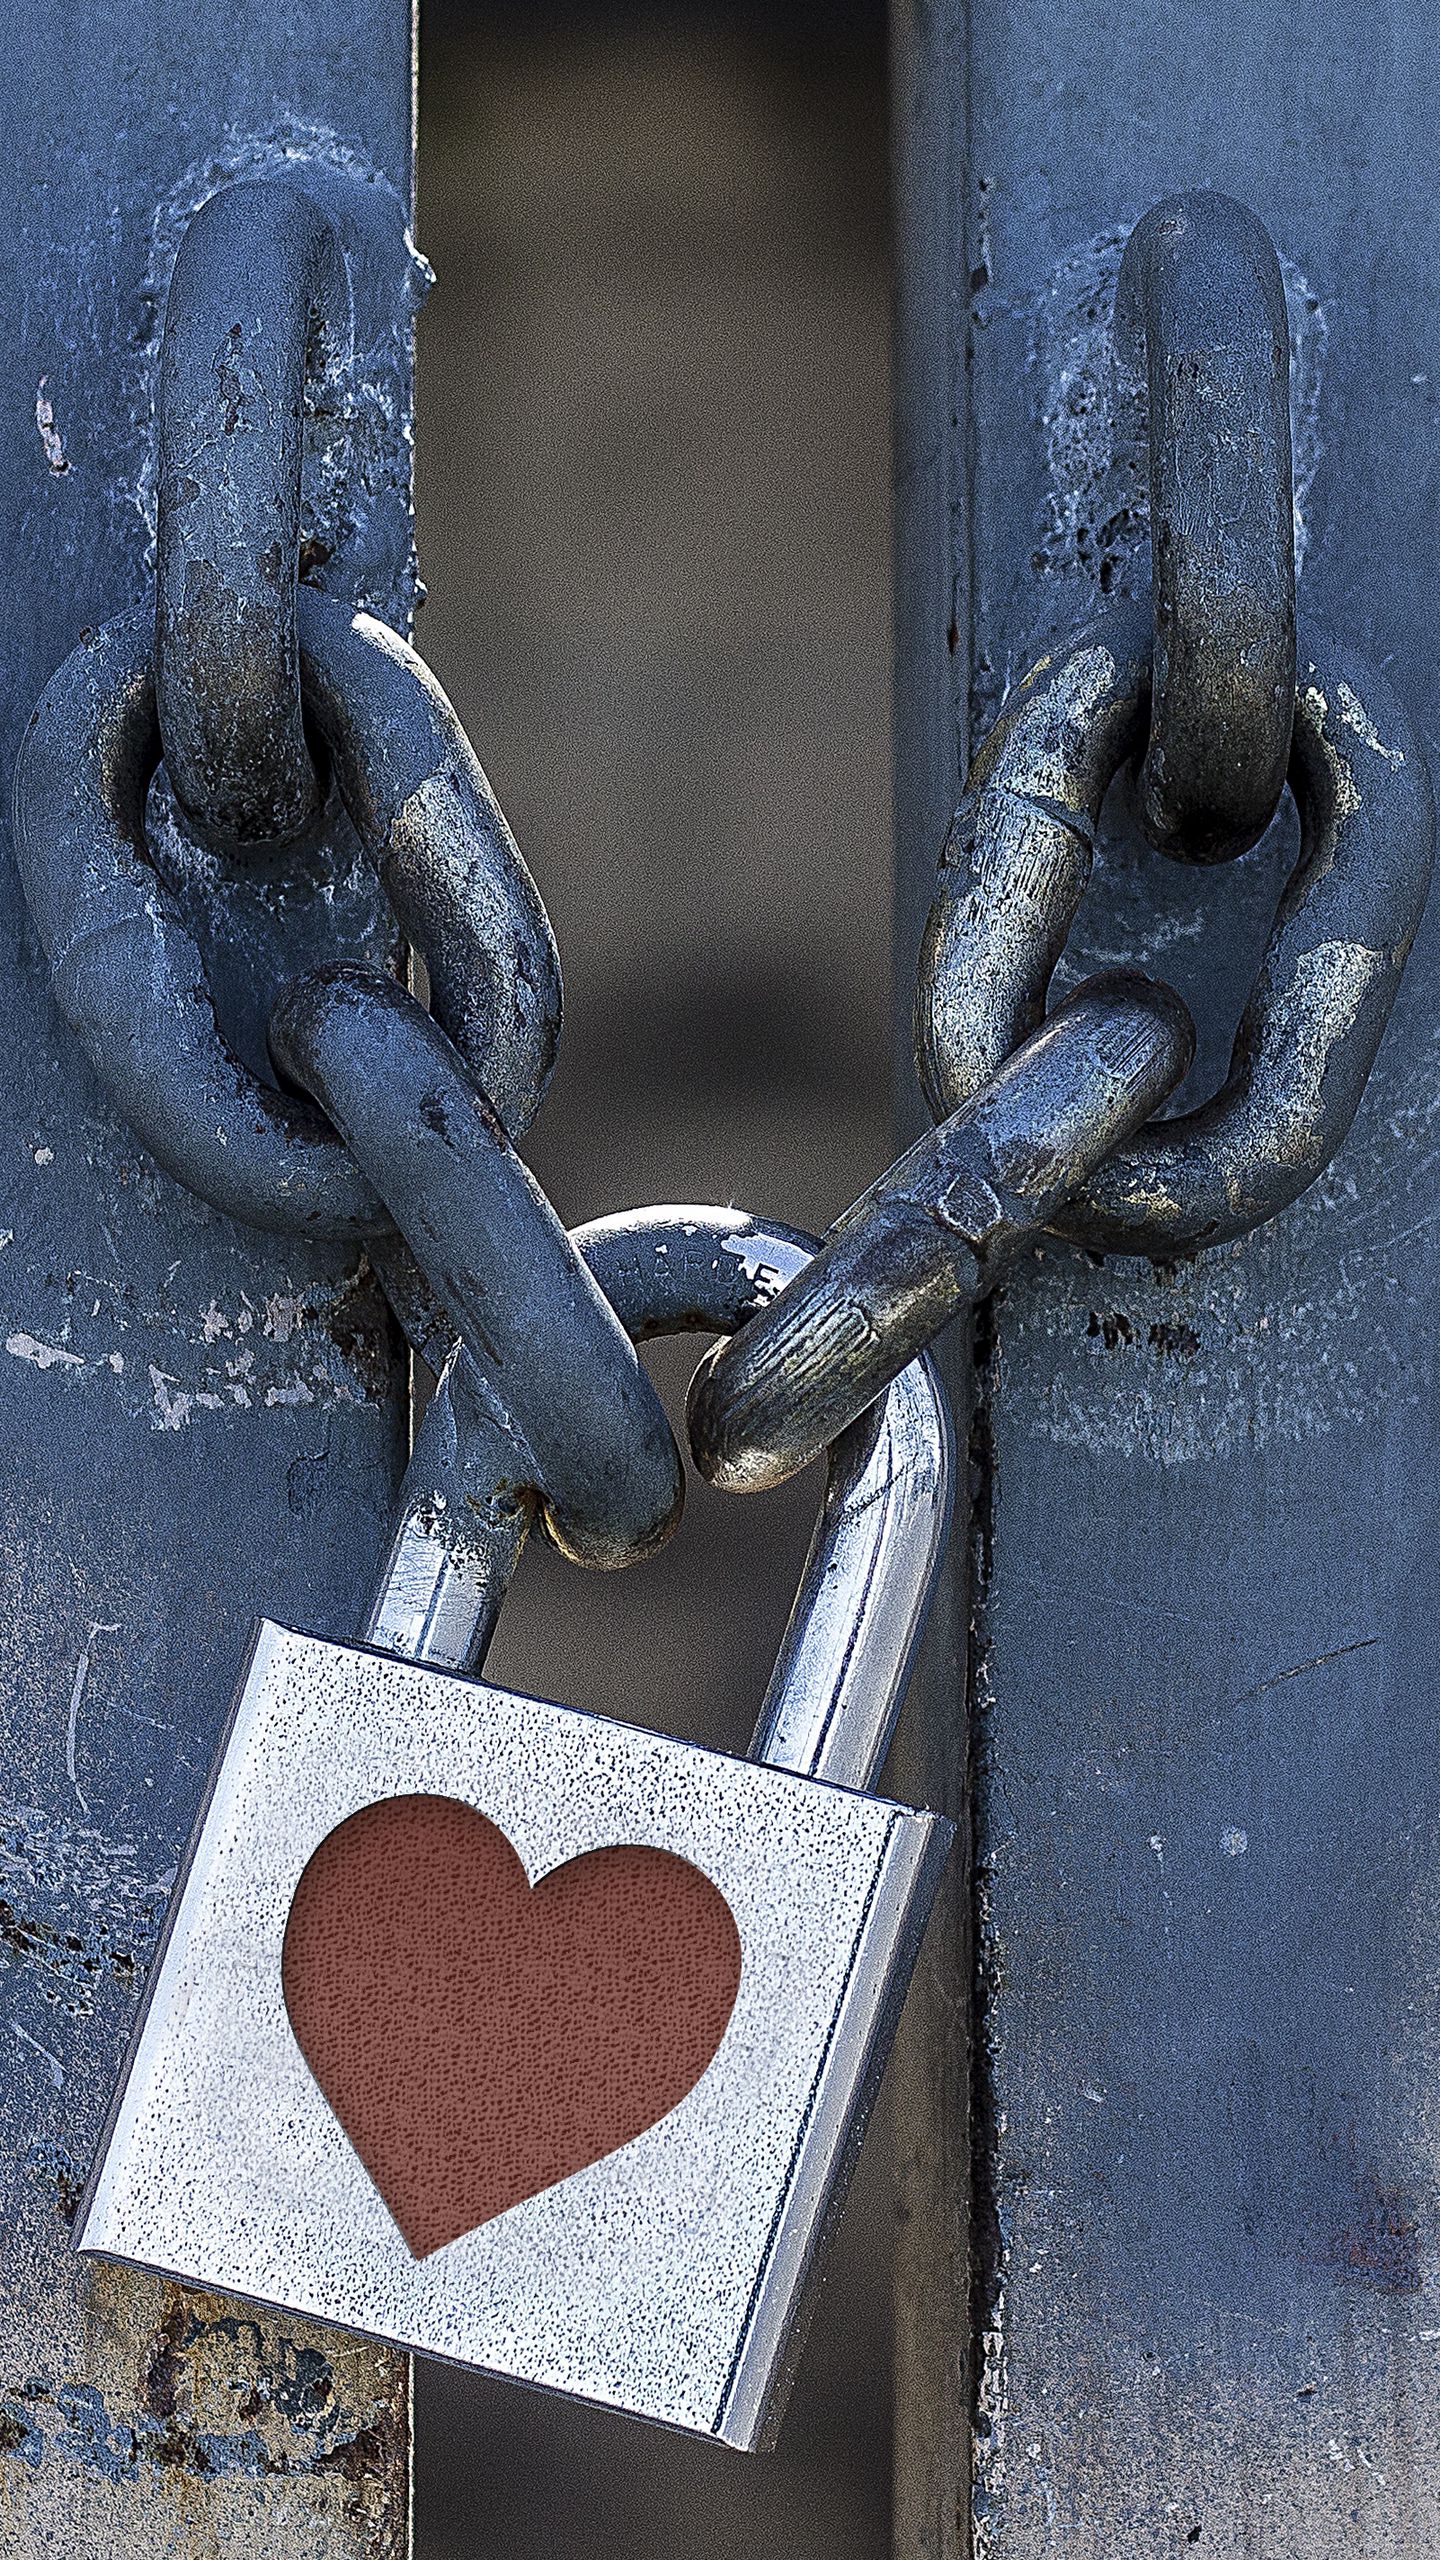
x=480 y=2038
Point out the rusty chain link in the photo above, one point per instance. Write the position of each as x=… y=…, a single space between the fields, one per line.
x=272 y=705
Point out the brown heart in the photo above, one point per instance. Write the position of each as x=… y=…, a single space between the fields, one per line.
x=480 y=2038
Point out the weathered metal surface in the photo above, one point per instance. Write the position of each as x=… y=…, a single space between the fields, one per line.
x=198 y=1422
x=936 y=1231
x=1200 y=322
x=1206 y=2284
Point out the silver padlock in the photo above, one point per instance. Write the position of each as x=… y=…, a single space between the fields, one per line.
x=486 y=1934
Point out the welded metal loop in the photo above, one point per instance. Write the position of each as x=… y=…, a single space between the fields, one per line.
x=866 y=1586
x=1015 y=866
x=1200 y=312
x=127 y=972
x=936 y=1232
x=585 y=1427
x=259 y=302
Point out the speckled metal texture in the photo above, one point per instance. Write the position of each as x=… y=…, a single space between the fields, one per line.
x=936 y=1231
x=665 y=2279
x=259 y=310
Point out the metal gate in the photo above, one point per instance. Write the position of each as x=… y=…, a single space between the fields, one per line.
x=1199 y=1931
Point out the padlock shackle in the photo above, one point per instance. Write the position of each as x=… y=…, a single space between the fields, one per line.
x=866 y=1587
x=864 y=1596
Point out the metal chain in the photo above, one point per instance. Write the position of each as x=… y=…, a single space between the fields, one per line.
x=398 y=1128
x=936 y=1232
x=235 y=675
x=1016 y=865
x=127 y=972
x=1203 y=692
x=586 y=1428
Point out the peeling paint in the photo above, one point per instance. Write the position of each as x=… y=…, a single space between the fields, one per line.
x=322 y=1344
x=43 y=1355
x=51 y=446
x=74 y=1907
x=1356 y=717
x=220 y=2398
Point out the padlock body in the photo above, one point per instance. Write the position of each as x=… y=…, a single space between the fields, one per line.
x=663 y=2278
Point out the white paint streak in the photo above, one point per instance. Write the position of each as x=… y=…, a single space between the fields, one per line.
x=57 y=2068
x=1357 y=718
x=98 y=1627
x=284 y=1314
x=172 y=1410
x=41 y=1355
x=214 y=1371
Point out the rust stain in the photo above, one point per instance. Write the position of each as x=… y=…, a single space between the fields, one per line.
x=255 y=2431
x=1381 y=2243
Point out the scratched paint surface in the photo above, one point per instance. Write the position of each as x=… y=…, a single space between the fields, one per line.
x=197 y=1423
x=1204 y=1567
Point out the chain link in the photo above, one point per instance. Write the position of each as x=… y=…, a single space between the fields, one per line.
x=239 y=671
x=1016 y=865
x=937 y=1231
x=127 y=971
x=585 y=1425
x=259 y=306
x=1200 y=316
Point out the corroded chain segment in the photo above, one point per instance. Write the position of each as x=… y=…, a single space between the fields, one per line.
x=937 y=1231
x=127 y=971
x=584 y=1426
x=231 y=679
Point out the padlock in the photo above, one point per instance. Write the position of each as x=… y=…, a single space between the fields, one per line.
x=521 y=2037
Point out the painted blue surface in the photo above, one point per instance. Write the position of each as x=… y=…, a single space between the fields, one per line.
x=1205 y=1577
x=198 y=1423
